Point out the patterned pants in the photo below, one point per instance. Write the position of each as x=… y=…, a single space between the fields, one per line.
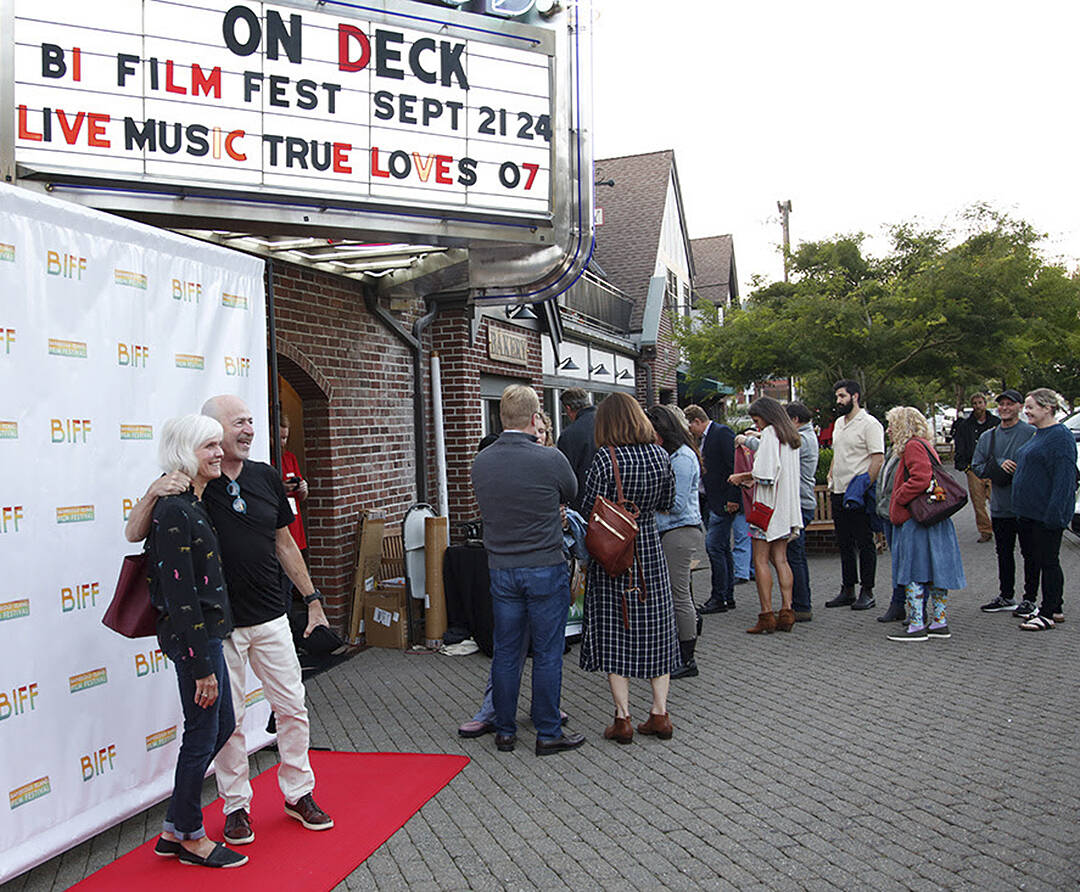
x=939 y=599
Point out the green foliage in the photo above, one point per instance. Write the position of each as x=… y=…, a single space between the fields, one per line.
x=824 y=462
x=944 y=313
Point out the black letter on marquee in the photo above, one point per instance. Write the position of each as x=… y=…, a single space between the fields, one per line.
x=426 y=43
x=404 y=168
x=467 y=169
x=228 y=31
x=384 y=54
x=145 y=139
x=52 y=61
x=509 y=175
x=277 y=35
x=384 y=105
x=124 y=66
x=451 y=64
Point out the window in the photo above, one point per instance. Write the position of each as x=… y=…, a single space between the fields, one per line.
x=671 y=293
x=687 y=304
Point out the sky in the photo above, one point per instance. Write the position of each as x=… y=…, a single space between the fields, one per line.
x=863 y=114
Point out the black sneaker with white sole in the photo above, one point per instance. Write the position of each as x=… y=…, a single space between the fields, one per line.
x=909 y=634
x=939 y=632
x=1026 y=610
x=999 y=604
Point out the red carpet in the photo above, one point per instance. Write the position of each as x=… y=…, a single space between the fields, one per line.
x=369 y=796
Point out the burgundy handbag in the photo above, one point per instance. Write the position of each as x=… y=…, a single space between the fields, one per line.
x=943 y=497
x=612 y=529
x=131 y=613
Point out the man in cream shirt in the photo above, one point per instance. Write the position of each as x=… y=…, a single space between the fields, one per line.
x=858 y=448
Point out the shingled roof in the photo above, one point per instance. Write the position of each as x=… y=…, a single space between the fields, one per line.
x=628 y=241
x=714 y=267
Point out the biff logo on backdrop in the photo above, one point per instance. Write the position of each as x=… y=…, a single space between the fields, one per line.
x=79 y=596
x=18 y=701
x=239 y=366
x=74 y=513
x=85 y=680
x=190 y=361
x=7 y=253
x=129 y=279
x=9 y=430
x=7 y=338
x=98 y=762
x=186 y=292
x=72 y=349
x=151 y=662
x=136 y=432
x=160 y=738
x=127 y=505
x=135 y=356
x=69 y=430
x=29 y=792
x=67 y=266
x=14 y=609
x=236 y=301
x=10 y=517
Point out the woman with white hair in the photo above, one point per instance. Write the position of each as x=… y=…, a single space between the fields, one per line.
x=1044 y=498
x=187 y=586
x=926 y=560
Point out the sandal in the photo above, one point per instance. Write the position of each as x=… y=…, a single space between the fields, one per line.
x=1038 y=623
x=222 y=856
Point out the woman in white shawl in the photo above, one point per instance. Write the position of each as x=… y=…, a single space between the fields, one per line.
x=775 y=480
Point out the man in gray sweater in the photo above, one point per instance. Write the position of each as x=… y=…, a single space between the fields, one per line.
x=995 y=460
x=519 y=486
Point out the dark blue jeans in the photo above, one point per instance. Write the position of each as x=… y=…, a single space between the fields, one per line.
x=531 y=601
x=718 y=547
x=796 y=558
x=205 y=732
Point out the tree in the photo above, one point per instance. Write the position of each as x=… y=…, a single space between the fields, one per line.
x=942 y=313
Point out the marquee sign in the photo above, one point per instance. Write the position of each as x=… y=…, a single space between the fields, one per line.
x=344 y=101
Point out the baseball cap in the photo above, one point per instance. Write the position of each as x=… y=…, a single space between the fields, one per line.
x=1010 y=394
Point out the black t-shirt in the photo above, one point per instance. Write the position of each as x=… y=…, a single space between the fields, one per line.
x=249 y=541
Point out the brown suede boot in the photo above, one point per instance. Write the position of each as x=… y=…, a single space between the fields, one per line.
x=785 y=620
x=660 y=725
x=621 y=732
x=766 y=622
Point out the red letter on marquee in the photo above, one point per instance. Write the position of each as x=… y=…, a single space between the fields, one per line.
x=344 y=33
x=200 y=81
x=532 y=169
x=24 y=131
x=341 y=157
x=442 y=169
x=375 y=172
x=233 y=153
x=95 y=131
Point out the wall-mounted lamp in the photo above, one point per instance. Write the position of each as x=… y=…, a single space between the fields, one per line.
x=604 y=183
x=598 y=369
x=623 y=375
x=521 y=311
x=568 y=365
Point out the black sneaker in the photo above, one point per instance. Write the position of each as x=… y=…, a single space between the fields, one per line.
x=1026 y=610
x=939 y=632
x=909 y=634
x=999 y=604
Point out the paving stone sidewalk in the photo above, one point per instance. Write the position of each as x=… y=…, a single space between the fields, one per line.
x=828 y=758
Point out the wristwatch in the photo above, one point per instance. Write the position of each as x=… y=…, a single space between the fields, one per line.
x=314 y=596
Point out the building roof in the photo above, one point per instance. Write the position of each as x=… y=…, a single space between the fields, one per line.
x=714 y=265
x=628 y=241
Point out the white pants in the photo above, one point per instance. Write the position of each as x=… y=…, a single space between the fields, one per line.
x=269 y=647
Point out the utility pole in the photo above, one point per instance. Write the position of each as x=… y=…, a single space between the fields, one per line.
x=784 y=207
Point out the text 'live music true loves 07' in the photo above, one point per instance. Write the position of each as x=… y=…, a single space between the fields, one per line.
x=247 y=95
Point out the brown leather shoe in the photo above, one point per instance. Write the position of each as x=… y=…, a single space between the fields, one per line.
x=309 y=814
x=621 y=732
x=660 y=725
x=785 y=620
x=766 y=622
x=238 y=830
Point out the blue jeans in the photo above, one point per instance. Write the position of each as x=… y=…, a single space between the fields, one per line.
x=205 y=732
x=718 y=547
x=487 y=708
x=531 y=601
x=740 y=546
x=796 y=558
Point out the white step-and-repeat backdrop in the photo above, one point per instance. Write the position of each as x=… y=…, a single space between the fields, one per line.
x=107 y=328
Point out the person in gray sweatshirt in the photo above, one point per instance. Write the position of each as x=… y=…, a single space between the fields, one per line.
x=519 y=486
x=995 y=460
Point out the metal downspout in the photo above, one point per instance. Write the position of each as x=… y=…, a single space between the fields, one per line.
x=275 y=395
x=412 y=341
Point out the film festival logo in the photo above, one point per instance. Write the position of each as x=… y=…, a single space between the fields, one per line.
x=136 y=431
x=14 y=609
x=98 y=762
x=235 y=301
x=129 y=279
x=29 y=792
x=150 y=663
x=69 y=430
x=79 y=596
x=18 y=701
x=237 y=366
x=7 y=253
x=11 y=516
x=160 y=738
x=86 y=680
x=190 y=361
x=186 y=292
x=7 y=338
x=66 y=266
x=70 y=349
x=9 y=430
x=134 y=356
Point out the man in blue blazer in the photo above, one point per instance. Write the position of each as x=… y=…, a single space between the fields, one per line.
x=723 y=500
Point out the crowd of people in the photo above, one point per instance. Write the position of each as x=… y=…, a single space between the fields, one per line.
x=686 y=478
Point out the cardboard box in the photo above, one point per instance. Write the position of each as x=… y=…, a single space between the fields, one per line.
x=385 y=621
x=368 y=560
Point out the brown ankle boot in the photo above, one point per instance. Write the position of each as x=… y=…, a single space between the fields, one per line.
x=766 y=622
x=621 y=732
x=660 y=725
x=785 y=620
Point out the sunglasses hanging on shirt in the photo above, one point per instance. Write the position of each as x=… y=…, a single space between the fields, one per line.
x=238 y=505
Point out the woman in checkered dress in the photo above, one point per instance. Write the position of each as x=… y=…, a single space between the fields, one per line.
x=641 y=643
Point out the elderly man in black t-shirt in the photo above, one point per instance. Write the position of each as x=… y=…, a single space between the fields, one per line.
x=251 y=514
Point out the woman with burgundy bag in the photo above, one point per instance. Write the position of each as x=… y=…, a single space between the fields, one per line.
x=628 y=628
x=775 y=514
x=926 y=559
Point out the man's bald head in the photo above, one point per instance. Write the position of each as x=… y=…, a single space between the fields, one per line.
x=237 y=422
